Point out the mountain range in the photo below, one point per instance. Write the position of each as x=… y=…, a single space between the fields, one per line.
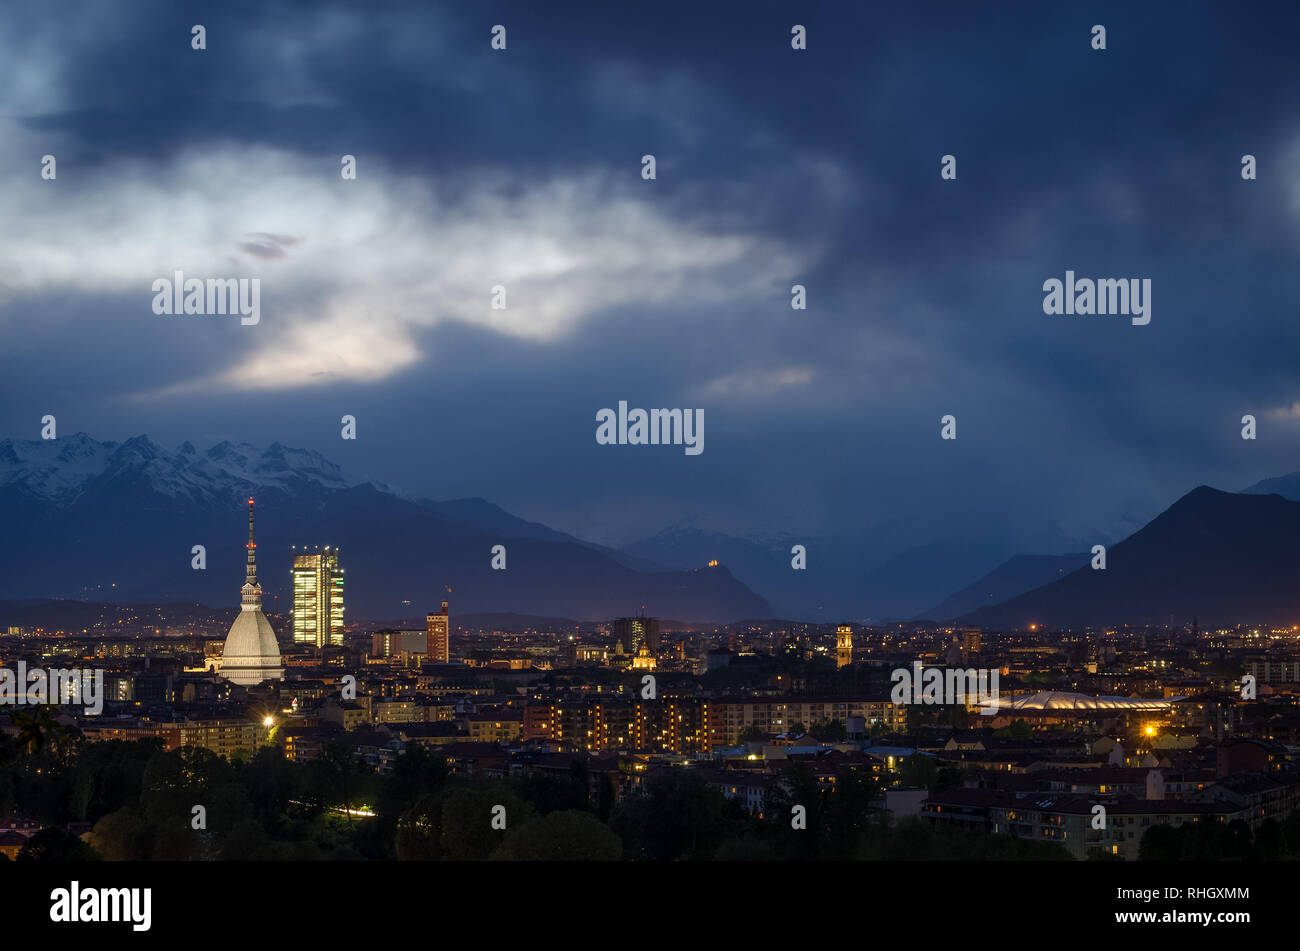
x=1016 y=575
x=876 y=575
x=1216 y=557
x=117 y=522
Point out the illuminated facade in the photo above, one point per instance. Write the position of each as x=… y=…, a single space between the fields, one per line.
x=438 y=634
x=690 y=724
x=251 y=654
x=843 y=646
x=318 y=599
x=726 y=719
x=644 y=660
x=671 y=725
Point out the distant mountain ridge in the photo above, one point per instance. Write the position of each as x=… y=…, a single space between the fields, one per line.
x=856 y=576
x=117 y=521
x=60 y=470
x=1218 y=557
x=1014 y=576
x=1287 y=486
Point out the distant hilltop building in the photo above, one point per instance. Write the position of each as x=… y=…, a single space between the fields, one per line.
x=438 y=637
x=251 y=654
x=318 y=599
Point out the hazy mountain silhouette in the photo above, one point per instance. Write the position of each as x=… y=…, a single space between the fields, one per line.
x=1220 y=557
x=117 y=522
x=1287 y=486
x=1014 y=576
x=853 y=575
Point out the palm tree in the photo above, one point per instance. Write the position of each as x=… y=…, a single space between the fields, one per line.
x=39 y=729
x=31 y=731
x=63 y=737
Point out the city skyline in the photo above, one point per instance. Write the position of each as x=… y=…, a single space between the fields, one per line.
x=702 y=438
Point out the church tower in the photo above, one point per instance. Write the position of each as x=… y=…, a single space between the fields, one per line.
x=843 y=646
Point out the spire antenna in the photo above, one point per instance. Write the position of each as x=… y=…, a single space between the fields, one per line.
x=251 y=573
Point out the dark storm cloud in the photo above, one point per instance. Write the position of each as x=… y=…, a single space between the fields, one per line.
x=924 y=296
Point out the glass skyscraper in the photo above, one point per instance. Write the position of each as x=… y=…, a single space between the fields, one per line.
x=318 y=598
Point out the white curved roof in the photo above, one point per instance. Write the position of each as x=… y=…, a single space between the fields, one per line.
x=1061 y=700
x=251 y=654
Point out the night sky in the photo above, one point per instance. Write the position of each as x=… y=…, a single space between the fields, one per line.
x=523 y=168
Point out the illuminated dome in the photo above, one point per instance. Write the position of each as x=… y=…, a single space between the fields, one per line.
x=251 y=654
x=1060 y=700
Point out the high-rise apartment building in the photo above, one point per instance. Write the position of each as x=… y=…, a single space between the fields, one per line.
x=633 y=632
x=318 y=599
x=385 y=643
x=391 y=643
x=438 y=645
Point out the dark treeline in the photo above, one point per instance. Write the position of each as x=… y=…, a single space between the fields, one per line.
x=140 y=802
x=144 y=803
x=1220 y=842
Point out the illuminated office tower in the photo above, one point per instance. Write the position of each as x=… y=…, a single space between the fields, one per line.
x=438 y=634
x=843 y=645
x=318 y=599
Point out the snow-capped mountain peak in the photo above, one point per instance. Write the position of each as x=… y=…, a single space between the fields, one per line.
x=58 y=470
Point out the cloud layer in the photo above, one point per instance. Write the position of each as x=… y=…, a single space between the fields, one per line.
x=522 y=169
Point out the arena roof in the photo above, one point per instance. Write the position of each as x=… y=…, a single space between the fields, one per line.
x=1046 y=700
